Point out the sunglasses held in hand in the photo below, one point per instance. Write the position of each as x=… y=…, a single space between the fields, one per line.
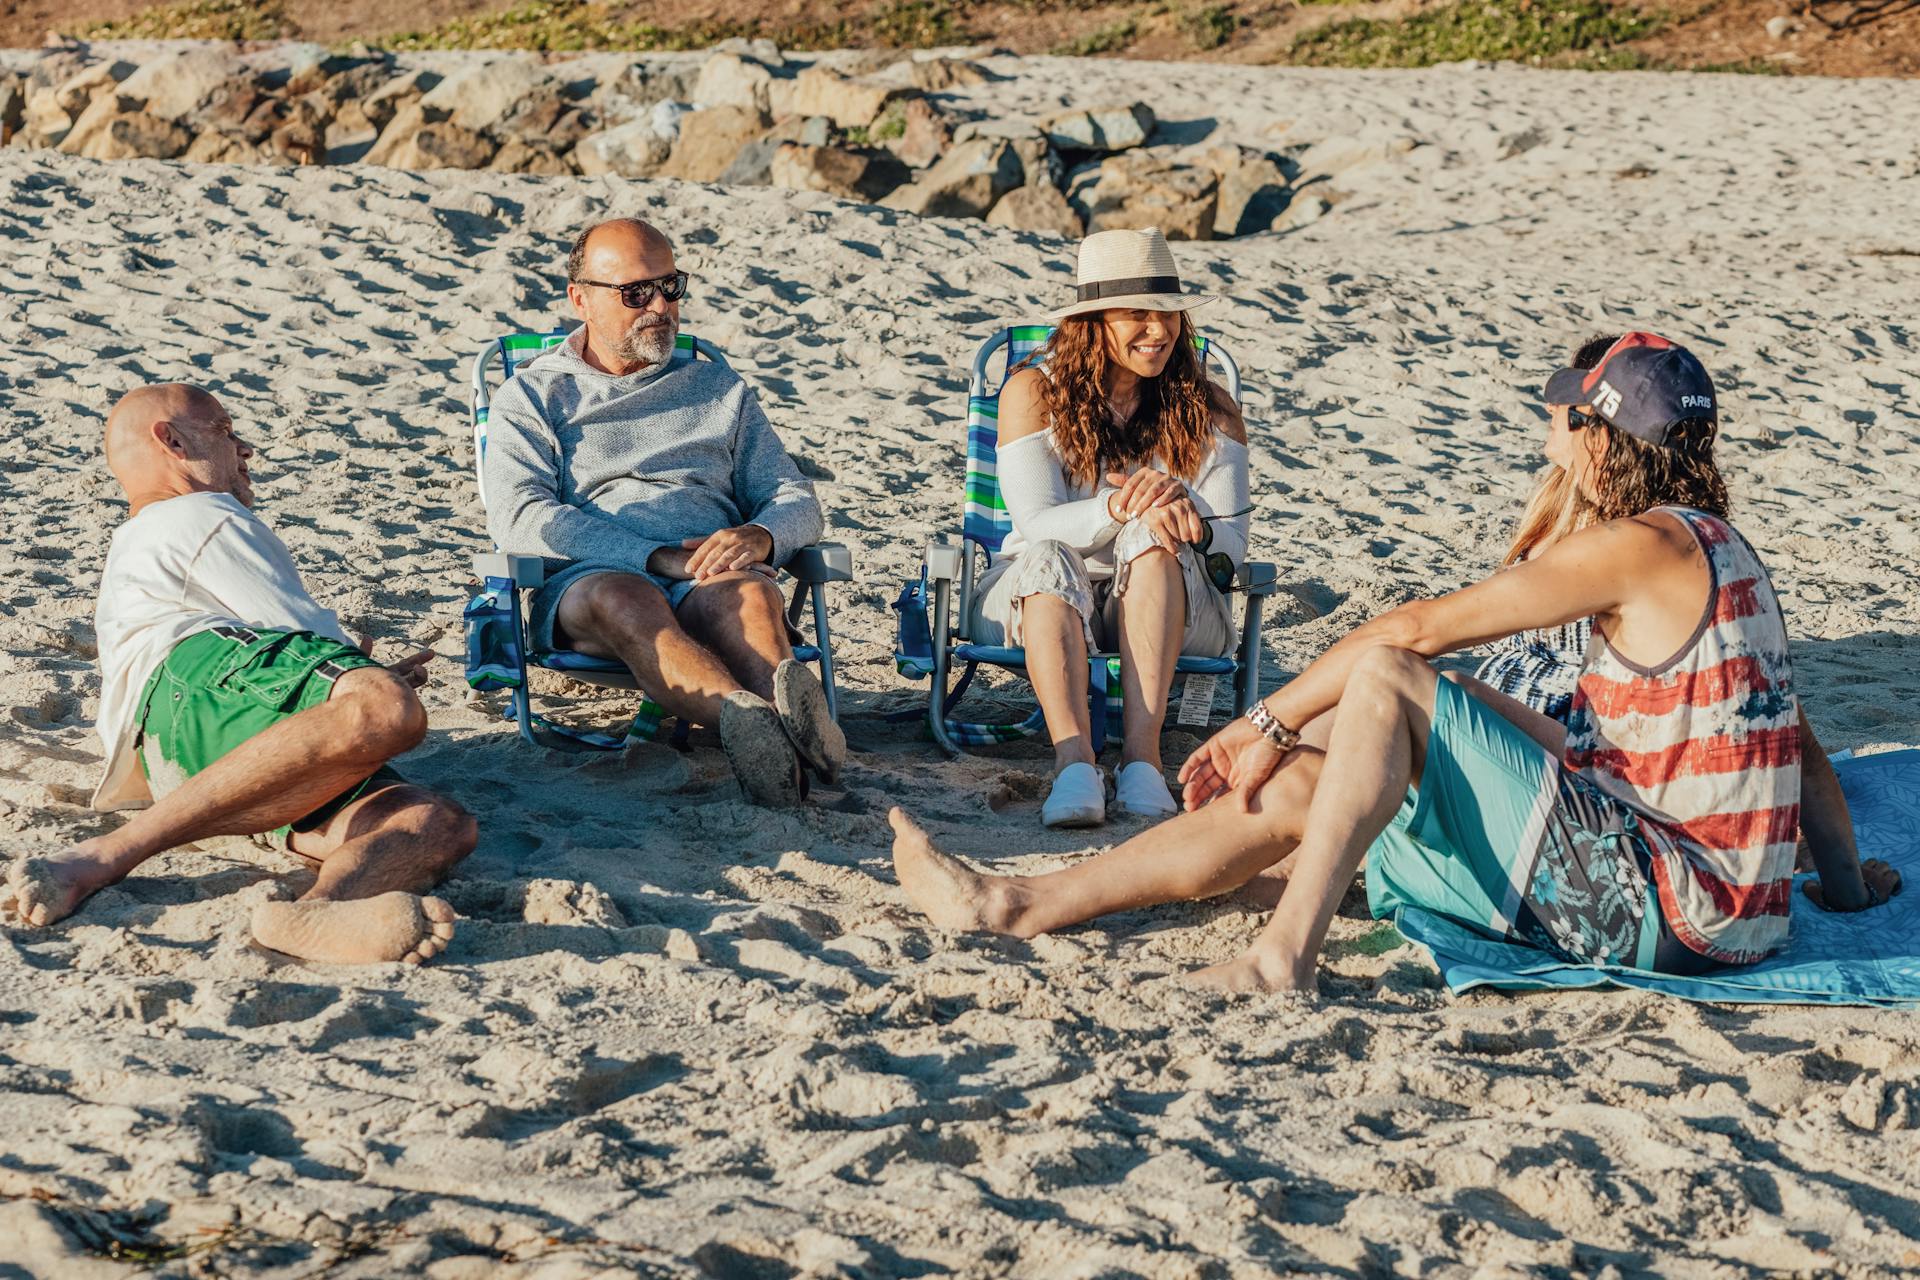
x=1219 y=564
x=637 y=294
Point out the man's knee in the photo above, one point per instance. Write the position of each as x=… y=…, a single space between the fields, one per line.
x=384 y=714
x=1385 y=675
x=740 y=591
x=617 y=603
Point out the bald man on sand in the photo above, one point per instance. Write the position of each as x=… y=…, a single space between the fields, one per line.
x=662 y=494
x=232 y=704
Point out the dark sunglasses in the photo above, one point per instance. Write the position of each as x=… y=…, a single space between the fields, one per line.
x=639 y=293
x=1219 y=564
x=1578 y=421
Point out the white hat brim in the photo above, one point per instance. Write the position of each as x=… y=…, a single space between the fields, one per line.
x=1136 y=302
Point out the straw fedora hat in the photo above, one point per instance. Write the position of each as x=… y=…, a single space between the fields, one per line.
x=1128 y=271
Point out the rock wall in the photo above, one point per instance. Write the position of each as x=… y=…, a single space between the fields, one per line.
x=917 y=132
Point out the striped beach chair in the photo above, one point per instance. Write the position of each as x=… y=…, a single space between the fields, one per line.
x=934 y=607
x=498 y=654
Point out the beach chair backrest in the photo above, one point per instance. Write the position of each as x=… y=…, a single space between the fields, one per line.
x=513 y=351
x=984 y=519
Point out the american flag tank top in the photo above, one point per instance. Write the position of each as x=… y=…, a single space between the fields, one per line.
x=1707 y=746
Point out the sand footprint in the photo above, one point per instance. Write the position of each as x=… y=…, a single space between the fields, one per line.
x=391 y=926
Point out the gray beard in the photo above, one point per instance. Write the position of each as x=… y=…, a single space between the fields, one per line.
x=648 y=345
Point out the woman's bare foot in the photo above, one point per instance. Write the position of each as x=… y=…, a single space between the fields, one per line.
x=39 y=891
x=1253 y=971
x=950 y=894
x=382 y=929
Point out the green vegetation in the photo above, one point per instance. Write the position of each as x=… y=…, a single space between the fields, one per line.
x=891 y=124
x=1518 y=30
x=1108 y=39
x=915 y=24
x=1208 y=27
x=195 y=20
x=561 y=25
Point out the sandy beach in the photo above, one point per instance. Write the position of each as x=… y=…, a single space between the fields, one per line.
x=677 y=1035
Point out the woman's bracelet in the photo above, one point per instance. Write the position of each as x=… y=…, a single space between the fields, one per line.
x=1282 y=738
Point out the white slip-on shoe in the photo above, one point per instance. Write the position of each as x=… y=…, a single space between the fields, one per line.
x=1141 y=790
x=1078 y=798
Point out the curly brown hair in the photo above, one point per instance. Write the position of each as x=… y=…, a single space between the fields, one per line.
x=1173 y=421
x=1631 y=477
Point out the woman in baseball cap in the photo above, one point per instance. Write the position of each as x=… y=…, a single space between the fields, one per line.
x=1654 y=830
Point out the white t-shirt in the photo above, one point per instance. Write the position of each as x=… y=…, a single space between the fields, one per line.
x=182 y=566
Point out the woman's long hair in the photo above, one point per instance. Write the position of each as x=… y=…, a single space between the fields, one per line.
x=1557 y=507
x=1631 y=476
x=1173 y=421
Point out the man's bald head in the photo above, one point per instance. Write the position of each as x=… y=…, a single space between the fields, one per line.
x=174 y=438
x=620 y=238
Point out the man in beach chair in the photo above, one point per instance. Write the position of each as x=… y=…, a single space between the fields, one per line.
x=233 y=704
x=665 y=495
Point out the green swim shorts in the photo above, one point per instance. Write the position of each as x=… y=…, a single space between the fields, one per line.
x=219 y=688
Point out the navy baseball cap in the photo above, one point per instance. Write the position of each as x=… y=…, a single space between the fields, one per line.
x=1643 y=385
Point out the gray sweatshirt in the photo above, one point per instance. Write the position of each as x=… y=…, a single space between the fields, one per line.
x=585 y=466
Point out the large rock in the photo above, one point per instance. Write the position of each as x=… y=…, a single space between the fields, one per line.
x=516 y=156
x=849 y=174
x=13 y=105
x=729 y=80
x=942 y=75
x=395 y=96
x=44 y=123
x=76 y=92
x=966 y=182
x=1102 y=129
x=709 y=141
x=1041 y=209
x=128 y=134
x=1140 y=189
x=634 y=92
x=350 y=135
x=444 y=145
x=482 y=98
x=180 y=85
x=849 y=103
x=926 y=133
x=1253 y=191
x=224 y=148
x=632 y=150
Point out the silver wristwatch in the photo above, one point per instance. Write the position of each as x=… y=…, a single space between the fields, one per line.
x=1282 y=738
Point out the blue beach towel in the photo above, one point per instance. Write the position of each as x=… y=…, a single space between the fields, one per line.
x=1868 y=958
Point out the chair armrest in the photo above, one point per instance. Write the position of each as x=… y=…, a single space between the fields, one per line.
x=527 y=572
x=944 y=560
x=822 y=562
x=1258 y=578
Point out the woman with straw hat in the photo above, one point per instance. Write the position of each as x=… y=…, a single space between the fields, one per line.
x=1121 y=465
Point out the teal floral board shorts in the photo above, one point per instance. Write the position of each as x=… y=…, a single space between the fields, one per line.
x=1501 y=837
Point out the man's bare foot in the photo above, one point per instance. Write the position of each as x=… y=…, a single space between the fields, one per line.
x=389 y=927
x=1252 y=971
x=950 y=894
x=39 y=891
